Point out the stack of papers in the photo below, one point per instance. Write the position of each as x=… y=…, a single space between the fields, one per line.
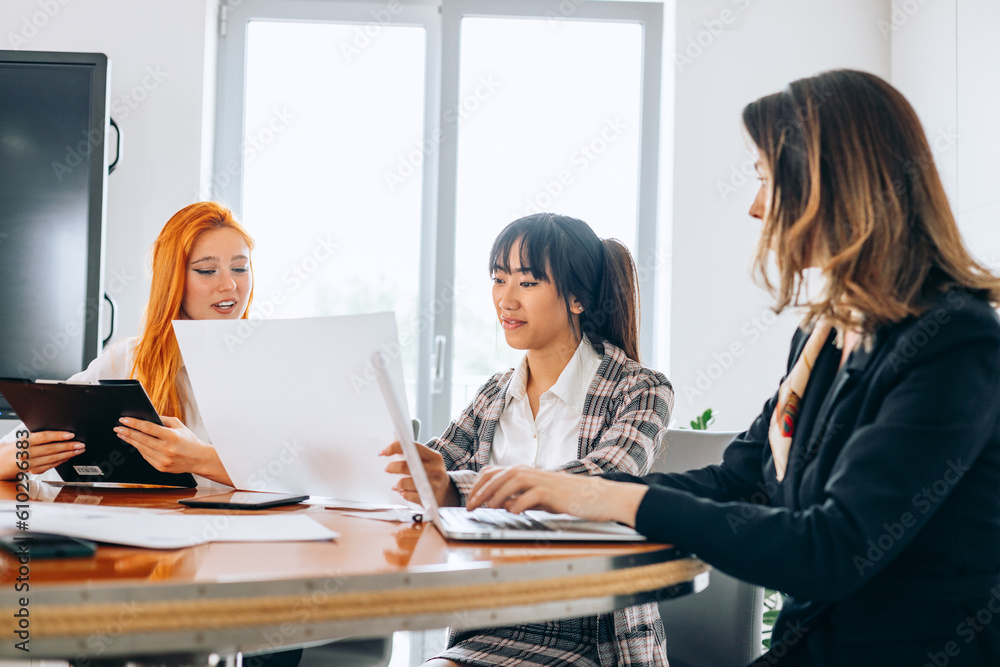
x=162 y=529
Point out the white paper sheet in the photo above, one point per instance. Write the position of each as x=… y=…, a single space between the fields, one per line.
x=164 y=529
x=292 y=406
x=399 y=515
x=341 y=504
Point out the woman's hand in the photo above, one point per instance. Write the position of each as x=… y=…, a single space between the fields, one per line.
x=444 y=489
x=173 y=448
x=46 y=449
x=521 y=488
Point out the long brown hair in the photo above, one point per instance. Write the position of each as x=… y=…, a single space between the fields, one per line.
x=599 y=273
x=853 y=190
x=157 y=357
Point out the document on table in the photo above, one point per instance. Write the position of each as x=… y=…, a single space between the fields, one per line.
x=292 y=406
x=394 y=513
x=163 y=529
x=398 y=515
x=360 y=506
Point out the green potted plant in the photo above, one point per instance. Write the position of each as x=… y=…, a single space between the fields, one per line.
x=703 y=421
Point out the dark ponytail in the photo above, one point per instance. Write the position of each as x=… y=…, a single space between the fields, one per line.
x=600 y=274
x=616 y=315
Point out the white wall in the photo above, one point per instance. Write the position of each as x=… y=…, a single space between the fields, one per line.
x=946 y=60
x=160 y=53
x=716 y=308
x=924 y=58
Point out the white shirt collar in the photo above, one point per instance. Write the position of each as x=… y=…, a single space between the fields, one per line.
x=573 y=384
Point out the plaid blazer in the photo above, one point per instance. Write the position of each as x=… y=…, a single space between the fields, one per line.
x=625 y=416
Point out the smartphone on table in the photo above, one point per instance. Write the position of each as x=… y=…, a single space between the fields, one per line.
x=244 y=500
x=46 y=545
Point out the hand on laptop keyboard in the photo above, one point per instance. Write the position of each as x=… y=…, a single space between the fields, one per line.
x=498 y=518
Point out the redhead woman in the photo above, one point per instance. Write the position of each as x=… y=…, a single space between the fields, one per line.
x=868 y=489
x=201 y=270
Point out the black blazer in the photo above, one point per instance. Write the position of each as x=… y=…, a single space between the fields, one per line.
x=885 y=532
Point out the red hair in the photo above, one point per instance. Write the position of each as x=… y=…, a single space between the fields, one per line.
x=157 y=357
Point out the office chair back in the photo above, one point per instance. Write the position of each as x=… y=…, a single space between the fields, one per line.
x=720 y=626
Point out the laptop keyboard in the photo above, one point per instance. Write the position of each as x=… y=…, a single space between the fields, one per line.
x=492 y=518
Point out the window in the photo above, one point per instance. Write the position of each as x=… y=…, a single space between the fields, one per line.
x=535 y=134
x=374 y=150
x=316 y=198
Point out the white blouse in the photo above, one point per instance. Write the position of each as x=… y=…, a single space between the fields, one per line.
x=551 y=438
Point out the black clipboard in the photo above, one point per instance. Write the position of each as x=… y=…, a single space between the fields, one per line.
x=91 y=411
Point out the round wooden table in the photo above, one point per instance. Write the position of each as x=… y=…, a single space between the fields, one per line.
x=376 y=578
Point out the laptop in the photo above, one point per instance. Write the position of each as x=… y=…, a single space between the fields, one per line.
x=488 y=524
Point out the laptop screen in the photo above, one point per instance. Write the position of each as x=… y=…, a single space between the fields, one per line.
x=401 y=423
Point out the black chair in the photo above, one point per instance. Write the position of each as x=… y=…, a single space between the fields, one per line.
x=720 y=626
x=350 y=653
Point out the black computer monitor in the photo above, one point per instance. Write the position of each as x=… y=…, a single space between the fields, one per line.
x=53 y=173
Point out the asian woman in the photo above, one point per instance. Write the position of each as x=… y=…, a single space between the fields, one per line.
x=578 y=402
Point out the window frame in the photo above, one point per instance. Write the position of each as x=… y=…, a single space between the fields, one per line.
x=442 y=21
